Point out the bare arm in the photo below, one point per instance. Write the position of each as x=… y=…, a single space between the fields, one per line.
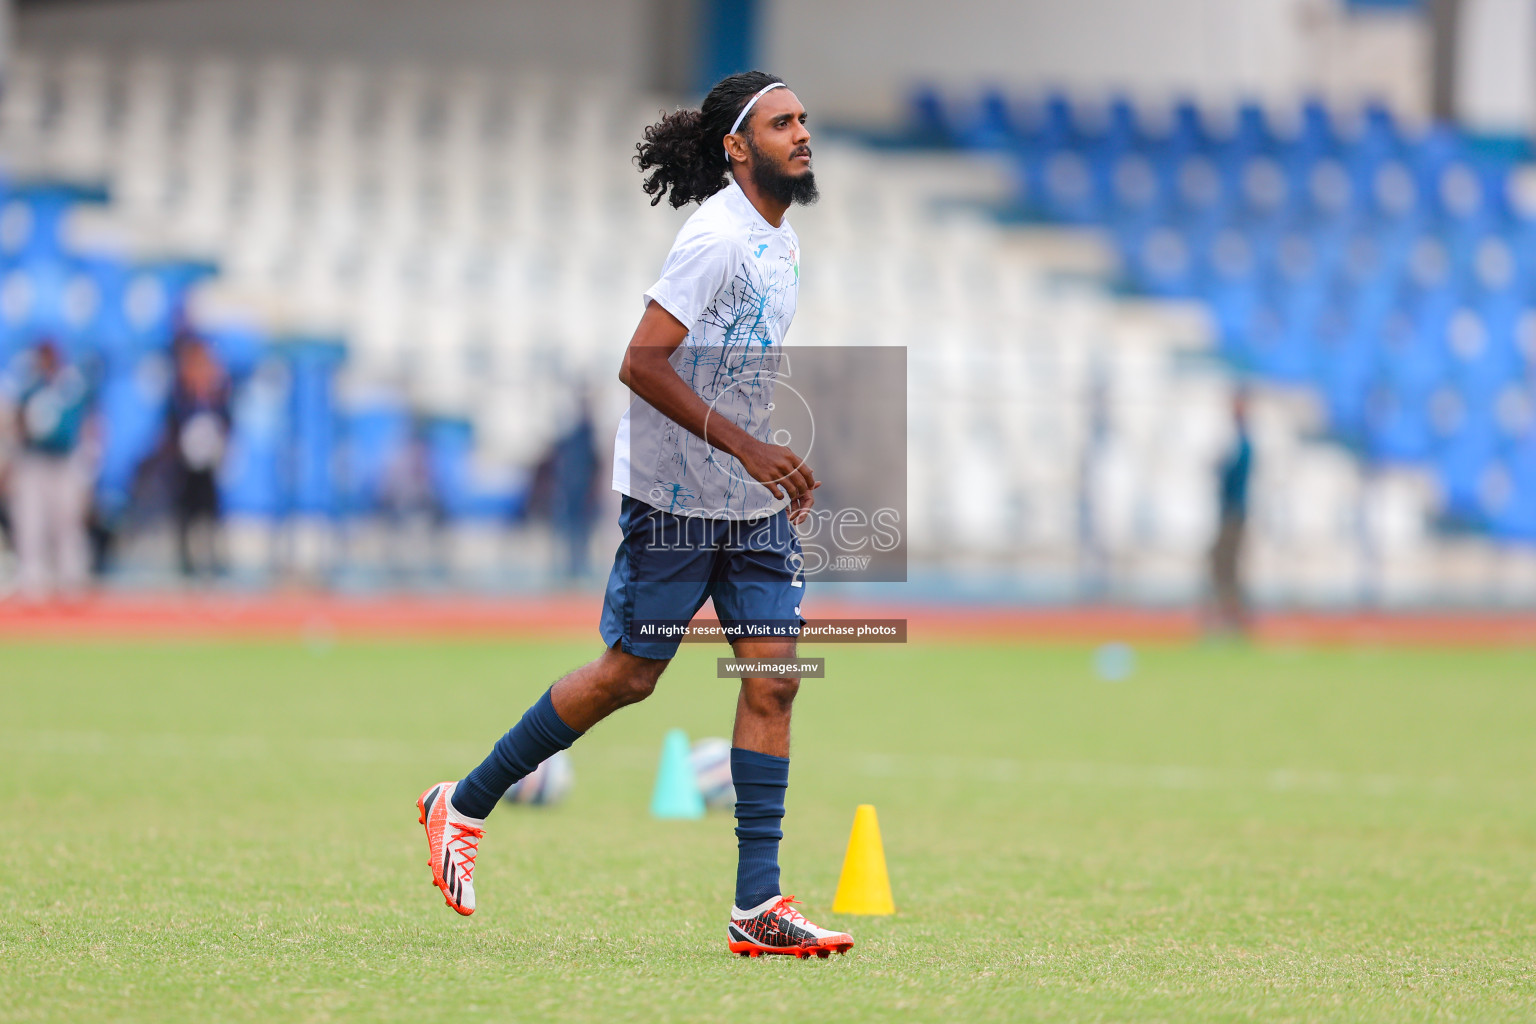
x=647 y=372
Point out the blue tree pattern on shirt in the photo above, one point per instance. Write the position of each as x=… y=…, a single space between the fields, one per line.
x=735 y=378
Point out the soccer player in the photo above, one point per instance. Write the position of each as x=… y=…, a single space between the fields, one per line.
x=51 y=480
x=707 y=501
x=1226 y=554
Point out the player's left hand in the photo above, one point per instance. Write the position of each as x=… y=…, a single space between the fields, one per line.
x=800 y=504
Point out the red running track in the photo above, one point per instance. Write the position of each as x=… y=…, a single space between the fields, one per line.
x=306 y=614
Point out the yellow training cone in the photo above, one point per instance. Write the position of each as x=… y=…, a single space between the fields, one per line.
x=864 y=887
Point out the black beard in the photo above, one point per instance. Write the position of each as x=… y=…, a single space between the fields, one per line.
x=772 y=181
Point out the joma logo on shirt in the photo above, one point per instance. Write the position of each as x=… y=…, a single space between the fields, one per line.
x=759 y=253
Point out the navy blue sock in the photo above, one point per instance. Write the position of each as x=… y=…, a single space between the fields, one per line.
x=760 y=781
x=539 y=734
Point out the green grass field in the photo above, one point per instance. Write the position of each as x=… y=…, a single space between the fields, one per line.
x=227 y=832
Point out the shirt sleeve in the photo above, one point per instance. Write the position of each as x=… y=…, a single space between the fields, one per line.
x=695 y=272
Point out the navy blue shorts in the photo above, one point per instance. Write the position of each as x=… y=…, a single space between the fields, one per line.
x=667 y=565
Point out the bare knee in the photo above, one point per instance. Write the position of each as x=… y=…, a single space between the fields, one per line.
x=631 y=679
x=769 y=698
x=635 y=686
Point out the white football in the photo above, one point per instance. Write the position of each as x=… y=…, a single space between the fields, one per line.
x=711 y=759
x=547 y=784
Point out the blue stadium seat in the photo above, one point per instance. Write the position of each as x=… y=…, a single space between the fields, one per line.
x=1265 y=187
x=1063 y=184
x=1481 y=353
x=930 y=121
x=1316 y=134
x=31 y=221
x=1386 y=184
x=1511 y=508
x=462 y=496
x=1461 y=463
x=1345 y=375
x=1398 y=425
x=1253 y=133
x=1000 y=122
x=1188 y=132
x=1488 y=266
x=1060 y=128
x=1133 y=188
x=1411 y=352
x=153 y=298
x=253 y=482
x=240 y=347
x=1324 y=190
x=1159 y=258
x=1203 y=190
x=313 y=363
x=1380 y=127
x=47 y=284
x=375 y=438
x=1290 y=354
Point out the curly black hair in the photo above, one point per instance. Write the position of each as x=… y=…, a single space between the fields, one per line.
x=687 y=148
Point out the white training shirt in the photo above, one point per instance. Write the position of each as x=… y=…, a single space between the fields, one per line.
x=732 y=279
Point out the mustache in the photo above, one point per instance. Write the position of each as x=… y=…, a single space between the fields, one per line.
x=800 y=151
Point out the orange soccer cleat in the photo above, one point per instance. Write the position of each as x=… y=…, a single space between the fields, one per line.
x=452 y=842
x=775 y=926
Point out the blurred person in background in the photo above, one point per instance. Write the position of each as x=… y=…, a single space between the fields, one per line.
x=408 y=499
x=565 y=489
x=576 y=480
x=197 y=434
x=51 y=476
x=7 y=456
x=1230 y=606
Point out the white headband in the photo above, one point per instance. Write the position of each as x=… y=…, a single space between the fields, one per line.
x=744 y=111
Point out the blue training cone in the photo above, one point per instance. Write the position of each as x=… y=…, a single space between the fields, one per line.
x=677 y=789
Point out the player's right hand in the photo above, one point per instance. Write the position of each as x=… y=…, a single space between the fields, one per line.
x=779 y=469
